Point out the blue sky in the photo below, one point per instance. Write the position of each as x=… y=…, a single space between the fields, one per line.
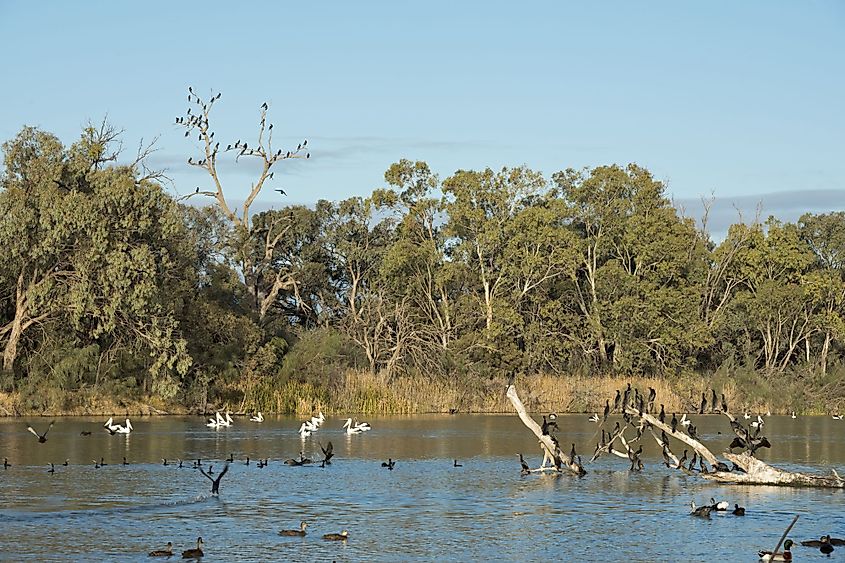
x=738 y=99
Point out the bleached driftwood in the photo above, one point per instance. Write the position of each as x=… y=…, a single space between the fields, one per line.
x=678 y=434
x=760 y=473
x=551 y=449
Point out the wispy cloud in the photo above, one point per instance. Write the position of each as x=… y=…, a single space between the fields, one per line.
x=786 y=206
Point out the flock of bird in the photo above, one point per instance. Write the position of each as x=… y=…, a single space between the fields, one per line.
x=748 y=439
x=636 y=409
x=824 y=544
x=219 y=421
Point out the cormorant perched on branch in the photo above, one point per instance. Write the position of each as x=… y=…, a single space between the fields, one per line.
x=525 y=468
x=662 y=416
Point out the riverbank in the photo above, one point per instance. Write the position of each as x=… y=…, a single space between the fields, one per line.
x=366 y=393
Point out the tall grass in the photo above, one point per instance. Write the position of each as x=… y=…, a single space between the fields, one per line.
x=359 y=391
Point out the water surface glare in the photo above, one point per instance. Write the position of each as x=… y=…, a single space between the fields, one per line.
x=424 y=510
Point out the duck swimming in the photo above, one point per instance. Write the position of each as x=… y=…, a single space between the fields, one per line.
x=738 y=510
x=824 y=544
x=300 y=532
x=700 y=511
x=343 y=536
x=720 y=506
x=194 y=553
x=166 y=552
x=785 y=555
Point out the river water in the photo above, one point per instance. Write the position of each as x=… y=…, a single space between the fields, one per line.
x=424 y=510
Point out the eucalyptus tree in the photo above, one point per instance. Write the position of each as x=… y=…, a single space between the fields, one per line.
x=269 y=156
x=825 y=285
x=415 y=269
x=93 y=246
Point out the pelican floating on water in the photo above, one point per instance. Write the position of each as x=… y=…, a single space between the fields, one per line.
x=124 y=429
x=219 y=421
x=356 y=427
x=836 y=416
x=257 y=418
x=684 y=420
x=594 y=417
x=306 y=429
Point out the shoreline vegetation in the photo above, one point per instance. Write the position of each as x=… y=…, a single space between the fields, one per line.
x=428 y=295
x=360 y=392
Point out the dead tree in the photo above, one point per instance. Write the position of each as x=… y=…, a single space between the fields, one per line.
x=560 y=461
x=256 y=268
x=746 y=469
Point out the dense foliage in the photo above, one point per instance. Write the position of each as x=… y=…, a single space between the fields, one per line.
x=108 y=286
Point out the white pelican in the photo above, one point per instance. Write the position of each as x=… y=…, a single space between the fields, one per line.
x=306 y=429
x=836 y=416
x=111 y=428
x=124 y=429
x=356 y=427
x=594 y=417
x=757 y=423
x=684 y=421
x=257 y=418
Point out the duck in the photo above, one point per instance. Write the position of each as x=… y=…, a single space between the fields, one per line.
x=194 y=553
x=166 y=552
x=594 y=417
x=300 y=532
x=257 y=417
x=824 y=544
x=356 y=427
x=700 y=511
x=342 y=536
x=785 y=555
x=720 y=506
x=456 y=464
x=390 y=463
x=738 y=510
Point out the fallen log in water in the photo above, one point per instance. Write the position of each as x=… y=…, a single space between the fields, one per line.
x=760 y=473
x=551 y=449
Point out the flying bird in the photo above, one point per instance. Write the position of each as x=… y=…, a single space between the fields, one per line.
x=41 y=437
x=281 y=191
x=215 y=483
